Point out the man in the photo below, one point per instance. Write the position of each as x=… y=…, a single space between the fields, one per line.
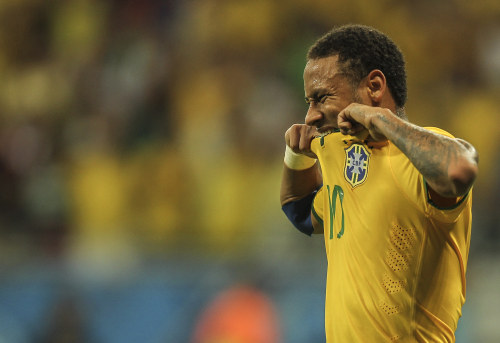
x=392 y=199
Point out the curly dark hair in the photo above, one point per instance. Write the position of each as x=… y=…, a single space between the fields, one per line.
x=360 y=50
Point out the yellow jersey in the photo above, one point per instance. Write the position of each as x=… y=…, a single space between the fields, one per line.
x=396 y=262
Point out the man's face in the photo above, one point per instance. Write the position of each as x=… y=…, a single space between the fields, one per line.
x=327 y=92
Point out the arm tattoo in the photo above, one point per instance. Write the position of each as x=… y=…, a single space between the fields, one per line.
x=430 y=153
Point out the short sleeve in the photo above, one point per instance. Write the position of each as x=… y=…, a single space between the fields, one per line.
x=447 y=214
x=412 y=182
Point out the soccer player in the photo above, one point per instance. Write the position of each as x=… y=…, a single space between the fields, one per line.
x=392 y=199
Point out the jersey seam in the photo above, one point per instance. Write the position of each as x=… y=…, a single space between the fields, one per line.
x=419 y=259
x=418 y=271
x=456 y=249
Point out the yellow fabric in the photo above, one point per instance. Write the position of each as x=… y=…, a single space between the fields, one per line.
x=396 y=272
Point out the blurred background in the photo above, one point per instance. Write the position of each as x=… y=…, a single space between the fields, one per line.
x=141 y=148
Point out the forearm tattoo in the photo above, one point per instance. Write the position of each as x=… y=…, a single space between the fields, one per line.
x=429 y=152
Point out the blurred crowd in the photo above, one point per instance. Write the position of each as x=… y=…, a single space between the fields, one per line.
x=139 y=131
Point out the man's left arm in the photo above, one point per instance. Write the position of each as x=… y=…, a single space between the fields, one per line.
x=448 y=165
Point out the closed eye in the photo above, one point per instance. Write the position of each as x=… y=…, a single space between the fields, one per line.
x=323 y=98
x=317 y=99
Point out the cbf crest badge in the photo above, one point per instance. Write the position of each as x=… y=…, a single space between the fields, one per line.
x=357 y=158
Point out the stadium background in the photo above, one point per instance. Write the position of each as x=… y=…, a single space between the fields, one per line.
x=141 y=148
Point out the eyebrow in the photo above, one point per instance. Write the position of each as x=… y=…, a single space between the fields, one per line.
x=316 y=94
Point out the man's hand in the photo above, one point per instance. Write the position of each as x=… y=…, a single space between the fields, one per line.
x=299 y=136
x=357 y=117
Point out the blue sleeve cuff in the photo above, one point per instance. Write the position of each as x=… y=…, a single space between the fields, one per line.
x=299 y=213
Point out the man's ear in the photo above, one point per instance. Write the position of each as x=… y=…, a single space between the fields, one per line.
x=376 y=86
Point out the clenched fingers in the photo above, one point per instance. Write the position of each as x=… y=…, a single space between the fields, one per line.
x=299 y=136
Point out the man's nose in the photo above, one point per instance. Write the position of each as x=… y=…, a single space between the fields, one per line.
x=313 y=116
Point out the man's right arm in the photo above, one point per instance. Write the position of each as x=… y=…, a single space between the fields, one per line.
x=296 y=184
x=301 y=173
